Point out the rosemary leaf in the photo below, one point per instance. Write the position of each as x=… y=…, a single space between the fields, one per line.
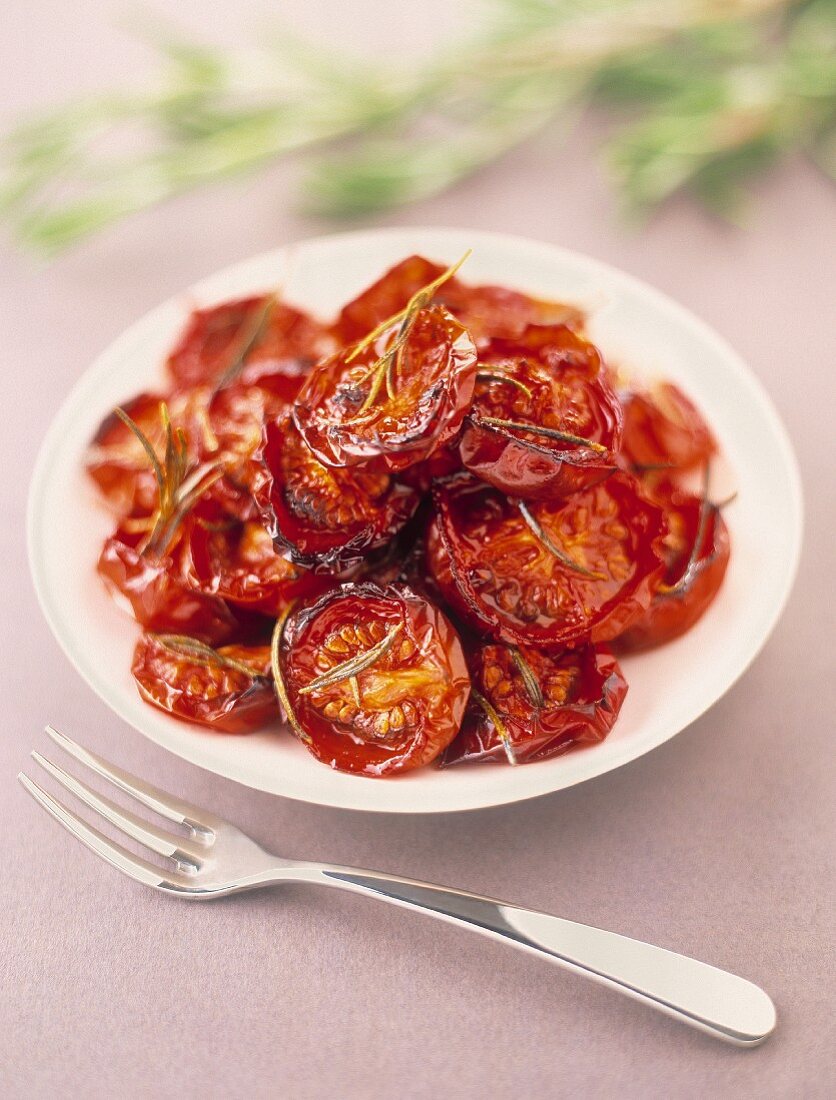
x=351 y=668
x=548 y=542
x=278 y=674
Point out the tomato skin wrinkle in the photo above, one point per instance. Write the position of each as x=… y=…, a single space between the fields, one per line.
x=412 y=699
x=434 y=376
x=506 y=584
x=323 y=517
x=582 y=691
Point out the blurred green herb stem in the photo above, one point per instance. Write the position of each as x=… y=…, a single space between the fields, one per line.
x=703 y=95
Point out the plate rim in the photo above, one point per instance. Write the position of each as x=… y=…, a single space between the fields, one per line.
x=102 y=364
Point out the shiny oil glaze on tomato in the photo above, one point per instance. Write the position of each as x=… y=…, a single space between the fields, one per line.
x=529 y=705
x=586 y=575
x=437 y=505
x=396 y=712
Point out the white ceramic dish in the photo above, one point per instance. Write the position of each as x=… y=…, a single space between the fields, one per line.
x=634 y=324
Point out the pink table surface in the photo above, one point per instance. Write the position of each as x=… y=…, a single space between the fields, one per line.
x=719 y=844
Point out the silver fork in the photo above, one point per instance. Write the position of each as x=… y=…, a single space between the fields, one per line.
x=212 y=859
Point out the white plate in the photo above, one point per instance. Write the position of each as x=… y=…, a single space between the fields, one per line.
x=635 y=325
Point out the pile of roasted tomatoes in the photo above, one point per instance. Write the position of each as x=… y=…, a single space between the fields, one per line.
x=412 y=534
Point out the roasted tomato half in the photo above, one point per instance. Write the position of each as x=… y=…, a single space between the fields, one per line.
x=376 y=679
x=398 y=404
x=485 y=311
x=527 y=705
x=238 y=562
x=549 y=574
x=158 y=595
x=664 y=428
x=228 y=689
x=545 y=421
x=320 y=515
x=696 y=551
x=264 y=334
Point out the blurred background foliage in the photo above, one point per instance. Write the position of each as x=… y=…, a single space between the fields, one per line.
x=701 y=95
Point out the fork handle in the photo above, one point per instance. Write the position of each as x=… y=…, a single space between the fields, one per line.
x=712 y=1000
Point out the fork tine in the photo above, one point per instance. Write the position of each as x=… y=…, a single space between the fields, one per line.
x=133 y=866
x=158 y=840
x=183 y=813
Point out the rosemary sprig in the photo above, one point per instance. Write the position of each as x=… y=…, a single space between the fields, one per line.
x=149 y=450
x=650 y=467
x=179 y=487
x=539 y=429
x=419 y=300
x=383 y=369
x=706 y=508
x=726 y=501
x=250 y=336
x=548 y=542
x=505 y=379
x=348 y=670
x=279 y=684
x=354 y=684
x=706 y=95
x=500 y=727
x=532 y=684
x=184 y=646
